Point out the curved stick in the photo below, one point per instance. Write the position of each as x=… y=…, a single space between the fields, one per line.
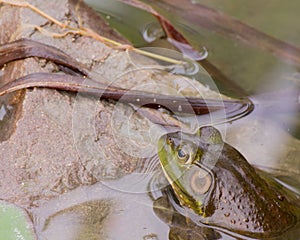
x=25 y=48
x=82 y=85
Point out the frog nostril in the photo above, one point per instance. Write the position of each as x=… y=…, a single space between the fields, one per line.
x=170 y=141
x=280 y=197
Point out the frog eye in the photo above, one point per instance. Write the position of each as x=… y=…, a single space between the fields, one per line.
x=182 y=155
x=201 y=182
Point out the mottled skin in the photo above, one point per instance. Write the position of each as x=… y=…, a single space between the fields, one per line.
x=221 y=187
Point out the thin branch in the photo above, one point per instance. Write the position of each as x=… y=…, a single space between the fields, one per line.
x=87 y=32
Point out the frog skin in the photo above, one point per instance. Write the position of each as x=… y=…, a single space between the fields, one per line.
x=211 y=178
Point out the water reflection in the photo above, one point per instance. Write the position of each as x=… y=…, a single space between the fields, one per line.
x=97 y=212
x=4 y=111
x=263 y=141
x=6 y=119
x=188 y=51
x=152 y=31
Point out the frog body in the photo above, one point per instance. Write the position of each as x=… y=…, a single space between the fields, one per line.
x=220 y=188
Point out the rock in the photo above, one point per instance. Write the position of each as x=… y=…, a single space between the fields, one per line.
x=58 y=141
x=39 y=159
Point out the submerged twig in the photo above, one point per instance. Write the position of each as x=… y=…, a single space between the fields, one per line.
x=25 y=4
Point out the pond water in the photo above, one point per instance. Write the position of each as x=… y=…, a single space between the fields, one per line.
x=267 y=79
x=268 y=137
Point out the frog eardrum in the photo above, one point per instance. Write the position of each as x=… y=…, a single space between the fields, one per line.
x=201 y=182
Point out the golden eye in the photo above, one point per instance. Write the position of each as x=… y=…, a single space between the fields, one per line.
x=182 y=155
x=201 y=182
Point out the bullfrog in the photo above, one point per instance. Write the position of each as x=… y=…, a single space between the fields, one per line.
x=217 y=187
